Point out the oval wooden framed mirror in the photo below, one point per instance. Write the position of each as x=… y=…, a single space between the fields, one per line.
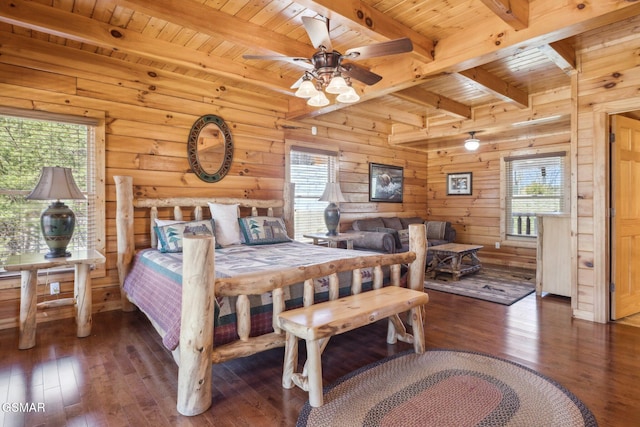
x=210 y=148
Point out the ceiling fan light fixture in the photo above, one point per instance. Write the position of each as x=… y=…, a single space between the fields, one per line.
x=318 y=100
x=472 y=143
x=348 y=97
x=306 y=90
x=337 y=85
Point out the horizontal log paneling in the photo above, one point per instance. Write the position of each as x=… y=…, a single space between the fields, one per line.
x=148 y=117
x=477 y=217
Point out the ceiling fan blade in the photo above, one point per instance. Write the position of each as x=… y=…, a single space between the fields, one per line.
x=361 y=74
x=297 y=84
x=318 y=31
x=304 y=62
x=391 y=47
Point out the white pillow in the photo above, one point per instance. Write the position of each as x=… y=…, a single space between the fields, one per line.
x=227 y=227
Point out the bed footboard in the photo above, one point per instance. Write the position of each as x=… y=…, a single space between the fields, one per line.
x=196 y=335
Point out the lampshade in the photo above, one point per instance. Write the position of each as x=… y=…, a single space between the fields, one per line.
x=306 y=90
x=472 y=143
x=349 y=96
x=332 y=194
x=318 y=100
x=337 y=85
x=57 y=221
x=55 y=183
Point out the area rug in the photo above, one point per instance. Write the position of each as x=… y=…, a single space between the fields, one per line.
x=489 y=284
x=446 y=388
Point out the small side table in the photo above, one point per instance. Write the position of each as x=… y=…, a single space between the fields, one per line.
x=28 y=266
x=333 y=240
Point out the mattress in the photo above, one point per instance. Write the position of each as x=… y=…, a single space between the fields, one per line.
x=154 y=284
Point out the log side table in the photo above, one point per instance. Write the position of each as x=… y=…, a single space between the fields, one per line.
x=28 y=266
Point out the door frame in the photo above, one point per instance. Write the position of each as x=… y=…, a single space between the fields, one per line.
x=601 y=202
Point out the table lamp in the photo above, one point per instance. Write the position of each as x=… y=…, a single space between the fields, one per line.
x=333 y=195
x=58 y=220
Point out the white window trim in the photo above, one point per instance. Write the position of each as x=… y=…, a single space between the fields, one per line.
x=326 y=145
x=529 y=242
x=96 y=119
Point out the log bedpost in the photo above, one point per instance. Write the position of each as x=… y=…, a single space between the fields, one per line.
x=124 y=233
x=196 y=330
x=417 y=244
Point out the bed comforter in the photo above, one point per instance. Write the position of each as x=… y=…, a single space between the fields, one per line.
x=154 y=284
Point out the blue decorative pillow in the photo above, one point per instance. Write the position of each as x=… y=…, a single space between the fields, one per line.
x=170 y=236
x=263 y=230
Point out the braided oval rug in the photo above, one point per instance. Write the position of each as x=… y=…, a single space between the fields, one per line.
x=446 y=388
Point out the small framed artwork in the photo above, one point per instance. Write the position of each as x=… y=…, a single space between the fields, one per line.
x=459 y=183
x=385 y=183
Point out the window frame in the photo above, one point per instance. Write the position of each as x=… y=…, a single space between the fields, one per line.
x=96 y=120
x=312 y=148
x=530 y=241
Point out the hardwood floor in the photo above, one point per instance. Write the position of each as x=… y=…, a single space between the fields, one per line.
x=122 y=376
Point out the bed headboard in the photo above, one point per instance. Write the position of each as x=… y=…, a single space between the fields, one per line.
x=199 y=205
x=126 y=202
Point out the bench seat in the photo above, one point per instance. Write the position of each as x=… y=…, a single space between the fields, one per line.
x=318 y=322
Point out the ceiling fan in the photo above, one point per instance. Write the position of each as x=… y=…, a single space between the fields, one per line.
x=327 y=68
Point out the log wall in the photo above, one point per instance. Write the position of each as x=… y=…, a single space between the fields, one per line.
x=149 y=114
x=477 y=217
x=148 y=117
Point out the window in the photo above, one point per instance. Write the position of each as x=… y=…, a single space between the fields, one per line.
x=27 y=143
x=310 y=169
x=534 y=184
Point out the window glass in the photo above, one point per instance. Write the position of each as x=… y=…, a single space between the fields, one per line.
x=310 y=170
x=535 y=184
x=26 y=145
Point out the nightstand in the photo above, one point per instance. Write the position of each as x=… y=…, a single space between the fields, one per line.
x=28 y=266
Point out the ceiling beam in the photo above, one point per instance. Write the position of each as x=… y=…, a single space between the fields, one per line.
x=392 y=115
x=197 y=16
x=499 y=87
x=513 y=12
x=562 y=54
x=549 y=21
x=425 y=98
x=59 y=23
x=371 y=21
x=489 y=119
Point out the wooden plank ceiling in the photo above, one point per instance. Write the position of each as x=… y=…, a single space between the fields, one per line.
x=467 y=54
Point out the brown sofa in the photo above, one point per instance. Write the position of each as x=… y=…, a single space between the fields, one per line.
x=390 y=234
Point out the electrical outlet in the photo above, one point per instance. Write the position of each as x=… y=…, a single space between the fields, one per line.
x=54 y=288
x=497 y=245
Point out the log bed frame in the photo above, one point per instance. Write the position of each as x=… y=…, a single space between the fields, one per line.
x=196 y=352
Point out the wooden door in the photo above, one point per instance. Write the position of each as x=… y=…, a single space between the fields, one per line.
x=625 y=224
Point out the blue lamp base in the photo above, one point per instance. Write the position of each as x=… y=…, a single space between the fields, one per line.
x=57 y=223
x=332 y=219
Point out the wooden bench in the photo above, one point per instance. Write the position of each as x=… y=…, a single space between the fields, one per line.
x=319 y=322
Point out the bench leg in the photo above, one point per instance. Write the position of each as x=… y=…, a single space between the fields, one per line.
x=314 y=366
x=419 y=344
x=290 y=360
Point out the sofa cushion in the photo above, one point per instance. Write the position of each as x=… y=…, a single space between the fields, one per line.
x=413 y=220
x=435 y=229
x=394 y=233
x=367 y=224
x=393 y=223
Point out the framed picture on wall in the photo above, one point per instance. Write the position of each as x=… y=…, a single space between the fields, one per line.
x=385 y=183
x=459 y=183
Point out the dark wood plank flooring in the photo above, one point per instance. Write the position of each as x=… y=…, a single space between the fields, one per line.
x=122 y=376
